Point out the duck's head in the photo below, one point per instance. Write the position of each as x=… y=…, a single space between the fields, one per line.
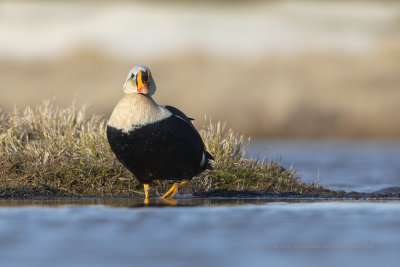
x=140 y=81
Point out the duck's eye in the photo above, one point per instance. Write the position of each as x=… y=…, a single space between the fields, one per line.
x=132 y=75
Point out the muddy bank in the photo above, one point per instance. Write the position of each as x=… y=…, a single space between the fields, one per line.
x=35 y=193
x=329 y=195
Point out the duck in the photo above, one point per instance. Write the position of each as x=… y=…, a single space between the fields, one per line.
x=155 y=142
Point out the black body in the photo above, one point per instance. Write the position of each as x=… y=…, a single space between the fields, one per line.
x=170 y=149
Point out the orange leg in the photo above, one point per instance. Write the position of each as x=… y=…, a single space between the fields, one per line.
x=174 y=189
x=146 y=190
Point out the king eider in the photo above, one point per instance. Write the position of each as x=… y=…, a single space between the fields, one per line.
x=153 y=141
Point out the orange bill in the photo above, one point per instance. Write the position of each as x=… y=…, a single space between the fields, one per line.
x=143 y=82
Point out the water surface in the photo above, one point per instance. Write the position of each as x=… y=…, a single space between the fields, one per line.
x=219 y=233
x=364 y=166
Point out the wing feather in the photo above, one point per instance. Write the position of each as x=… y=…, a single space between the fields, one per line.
x=181 y=126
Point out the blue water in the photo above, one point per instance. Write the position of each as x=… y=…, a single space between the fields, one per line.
x=364 y=166
x=262 y=234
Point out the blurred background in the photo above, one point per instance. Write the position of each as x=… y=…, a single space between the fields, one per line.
x=285 y=69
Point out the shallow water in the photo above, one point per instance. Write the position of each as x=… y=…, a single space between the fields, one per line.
x=364 y=166
x=96 y=232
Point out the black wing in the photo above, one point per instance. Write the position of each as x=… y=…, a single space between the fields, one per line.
x=181 y=125
x=179 y=113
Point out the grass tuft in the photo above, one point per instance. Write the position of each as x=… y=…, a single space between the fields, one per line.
x=51 y=151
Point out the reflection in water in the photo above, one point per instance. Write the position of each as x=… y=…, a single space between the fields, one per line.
x=138 y=202
x=159 y=202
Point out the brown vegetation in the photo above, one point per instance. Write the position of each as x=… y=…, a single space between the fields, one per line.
x=52 y=151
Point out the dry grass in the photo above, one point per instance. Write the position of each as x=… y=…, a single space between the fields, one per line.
x=53 y=151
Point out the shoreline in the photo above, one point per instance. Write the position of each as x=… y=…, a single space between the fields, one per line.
x=216 y=194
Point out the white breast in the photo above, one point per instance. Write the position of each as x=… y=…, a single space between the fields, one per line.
x=134 y=111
